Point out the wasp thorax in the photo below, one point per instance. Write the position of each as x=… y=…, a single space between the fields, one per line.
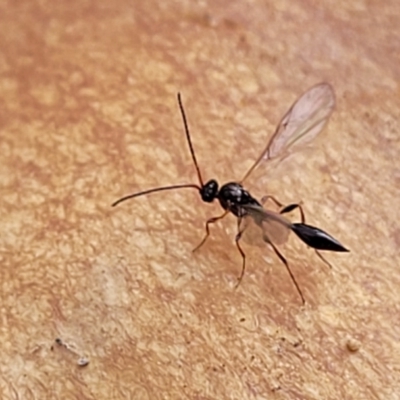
x=209 y=191
x=232 y=196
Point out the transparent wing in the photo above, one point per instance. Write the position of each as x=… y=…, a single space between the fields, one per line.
x=260 y=226
x=301 y=124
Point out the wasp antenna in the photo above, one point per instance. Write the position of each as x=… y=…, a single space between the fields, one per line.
x=189 y=140
x=159 y=189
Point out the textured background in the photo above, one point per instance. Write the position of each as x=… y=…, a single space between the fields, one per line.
x=88 y=113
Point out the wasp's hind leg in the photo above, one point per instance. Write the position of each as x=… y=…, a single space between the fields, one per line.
x=292 y=207
x=273 y=199
x=284 y=261
x=285 y=209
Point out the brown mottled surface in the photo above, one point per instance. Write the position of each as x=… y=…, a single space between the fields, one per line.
x=88 y=113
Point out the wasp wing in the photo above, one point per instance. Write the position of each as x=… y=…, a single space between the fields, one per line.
x=301 y=124
x=260 y=226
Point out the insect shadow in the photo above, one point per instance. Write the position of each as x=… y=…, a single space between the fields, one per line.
x=301 y=124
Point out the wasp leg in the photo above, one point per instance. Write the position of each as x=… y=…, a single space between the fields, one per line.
x=323 y=258
x=210 y=221
x=285 y=209
x=237 y=238
x=266 y=198
x=283 y=259
x=292 y=207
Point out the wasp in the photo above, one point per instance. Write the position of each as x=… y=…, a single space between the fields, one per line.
x=301 y=124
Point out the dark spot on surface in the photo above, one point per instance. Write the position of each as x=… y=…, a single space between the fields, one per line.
x=396 y=237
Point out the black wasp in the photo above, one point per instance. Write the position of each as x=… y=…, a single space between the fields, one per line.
x=302 y=123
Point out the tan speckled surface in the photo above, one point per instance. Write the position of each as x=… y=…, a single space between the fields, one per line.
x=88 y=113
